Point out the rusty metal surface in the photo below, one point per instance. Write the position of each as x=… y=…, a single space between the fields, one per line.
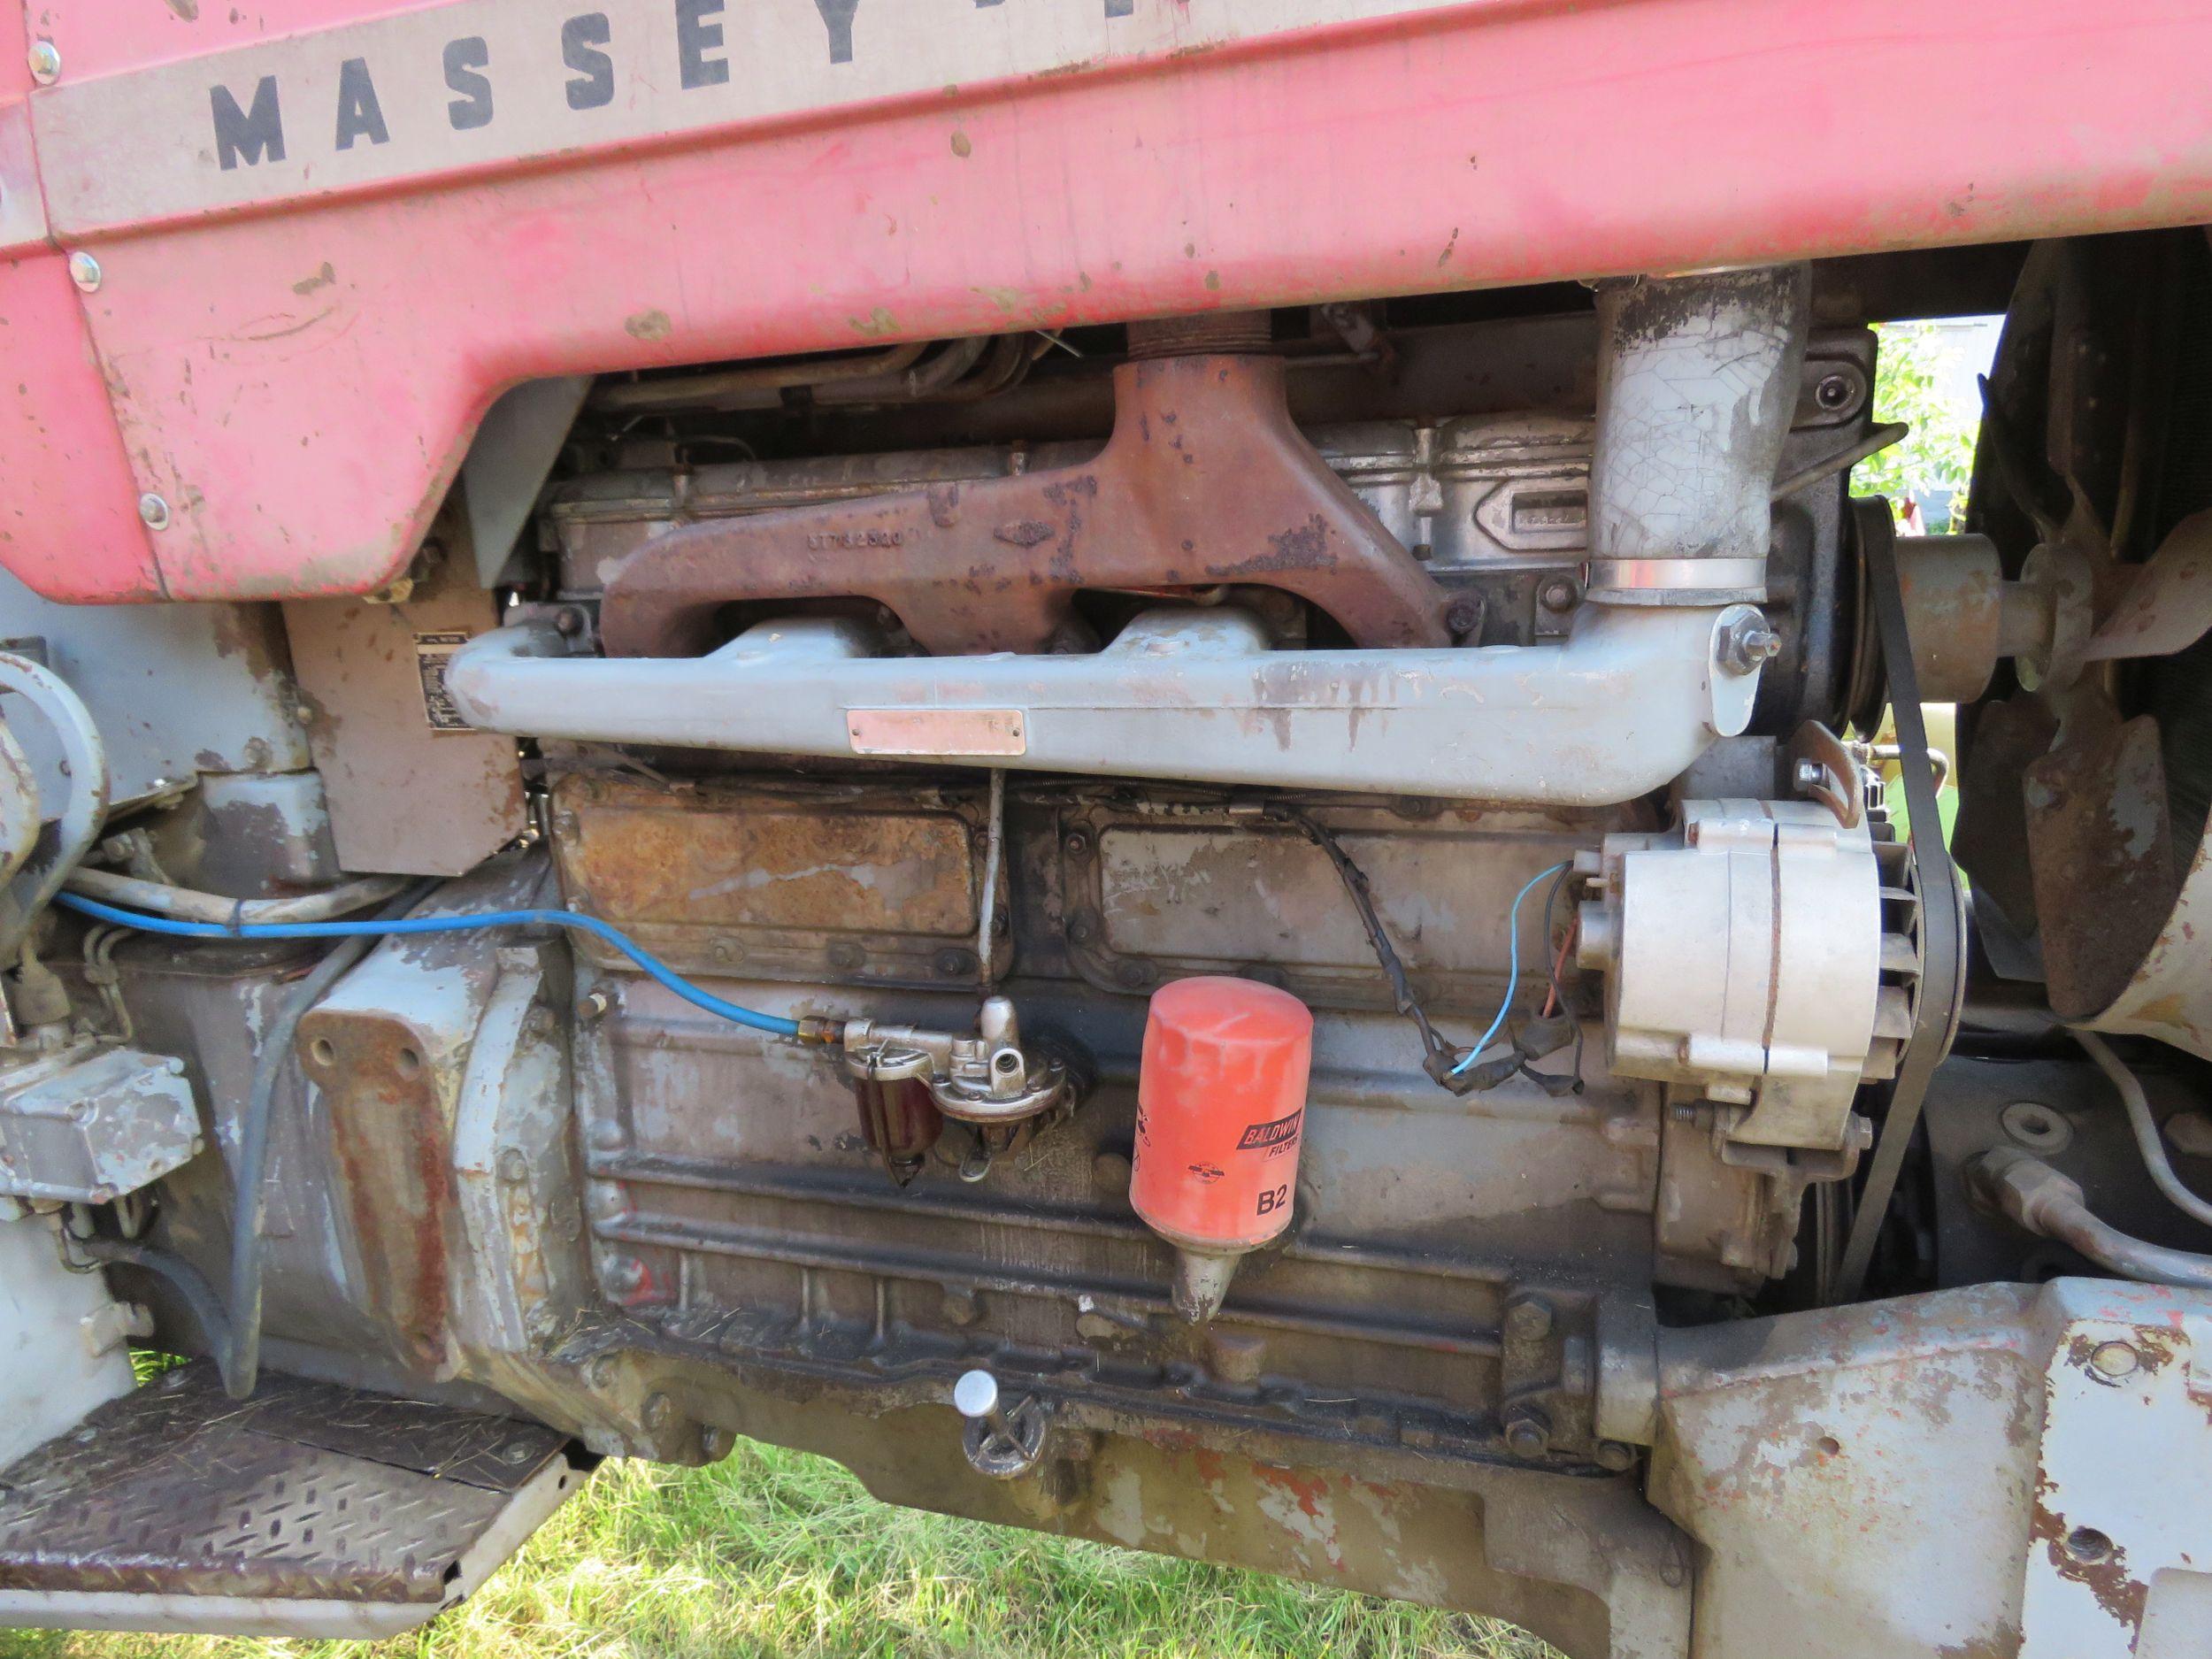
x=406 y=796
x=91 y=1124
x=2101 y=851
x=175 y=689
x=836 y=882
x=307 y=1492
x=733 y=1204
x=19 y=805
x=1154 y=891
x=1580 y=1561
x=1205 y=481
x=2169 y=994
x=1951 y=585
x=387 y=1052
x=1974 y=1473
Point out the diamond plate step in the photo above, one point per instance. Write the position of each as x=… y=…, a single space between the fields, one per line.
x=310 y=1510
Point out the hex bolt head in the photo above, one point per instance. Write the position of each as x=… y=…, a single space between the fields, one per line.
x=1464 y=615
x=1748 y=645
x=84 y=271
x=626 y=1274
x=1110 y=1174
x=1557 y=594
x=1526 y=1432
x=1528 y=1321
x=2114 y=1360
x=961 y=1307
x=45 y=60
x=604 y=1371
x=153 y=511
x=514 y=1168
x=1617 y=1457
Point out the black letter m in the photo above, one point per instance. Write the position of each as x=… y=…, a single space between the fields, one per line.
x=250 y=136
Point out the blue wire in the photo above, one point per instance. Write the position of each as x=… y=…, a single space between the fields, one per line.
x=654 y=967
x=1513 y=973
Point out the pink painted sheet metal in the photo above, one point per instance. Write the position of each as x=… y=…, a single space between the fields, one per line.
x=438 y=201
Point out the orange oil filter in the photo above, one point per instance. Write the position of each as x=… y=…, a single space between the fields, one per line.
x=1221 y=1105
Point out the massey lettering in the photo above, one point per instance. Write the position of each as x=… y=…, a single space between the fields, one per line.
x=359 y=115
x=254 y=133
x=837 y=17
x=463 y=58
x=695 y=37
x=592 y=87
x=243 y=135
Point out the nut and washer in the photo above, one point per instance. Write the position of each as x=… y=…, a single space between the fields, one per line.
x=1527 y=1433
x=1748 y=644
x=45 y=60
x=1836 y=392
x=84 y=271
x=154 y=510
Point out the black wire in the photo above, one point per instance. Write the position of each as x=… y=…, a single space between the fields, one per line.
x=1354 y=880
x=1444 y=1057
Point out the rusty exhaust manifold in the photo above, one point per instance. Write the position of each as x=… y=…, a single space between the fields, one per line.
x=1204 y=481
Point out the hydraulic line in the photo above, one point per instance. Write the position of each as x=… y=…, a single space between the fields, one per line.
x=2145 y=1127
x=185 y=904
x=2048 y=1204
x=414 y=925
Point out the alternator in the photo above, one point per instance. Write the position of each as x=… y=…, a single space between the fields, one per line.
x=1748 y=961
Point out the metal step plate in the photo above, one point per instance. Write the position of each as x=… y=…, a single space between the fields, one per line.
x=310 y=1510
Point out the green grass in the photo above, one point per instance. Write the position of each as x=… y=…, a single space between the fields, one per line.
x=776 y=1553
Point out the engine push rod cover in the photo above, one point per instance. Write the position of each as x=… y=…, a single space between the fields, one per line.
x=1619 y=708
